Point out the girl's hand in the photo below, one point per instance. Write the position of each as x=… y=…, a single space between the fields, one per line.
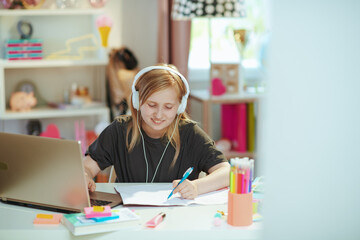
x=187 y=189
x=90 y=183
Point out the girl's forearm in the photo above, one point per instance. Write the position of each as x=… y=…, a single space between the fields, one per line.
x=217 y=179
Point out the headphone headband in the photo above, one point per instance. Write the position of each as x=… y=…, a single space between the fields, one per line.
x=135 y=94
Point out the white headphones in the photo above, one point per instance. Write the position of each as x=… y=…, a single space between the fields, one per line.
x=135 y=94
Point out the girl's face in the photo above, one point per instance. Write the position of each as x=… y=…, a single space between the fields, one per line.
x=159 y=111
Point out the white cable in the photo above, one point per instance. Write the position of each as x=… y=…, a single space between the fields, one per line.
x=143 y=142
x=165 y=148
x=142 y=138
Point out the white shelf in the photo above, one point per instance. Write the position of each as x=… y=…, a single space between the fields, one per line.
x=204 y=95
x=50 y=12
x=6 y=64
x=52 y=25
x=46 y=112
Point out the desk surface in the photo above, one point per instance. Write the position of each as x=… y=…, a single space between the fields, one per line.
x=191 y=222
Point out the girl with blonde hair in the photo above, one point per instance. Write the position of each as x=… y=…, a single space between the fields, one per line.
x=158 y=142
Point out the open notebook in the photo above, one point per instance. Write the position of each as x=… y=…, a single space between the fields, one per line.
x=46 y=172
x=157 y=195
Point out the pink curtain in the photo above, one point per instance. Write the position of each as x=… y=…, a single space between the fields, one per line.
x=173 y=38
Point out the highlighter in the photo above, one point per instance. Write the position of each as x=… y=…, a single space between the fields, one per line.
x=152 y=223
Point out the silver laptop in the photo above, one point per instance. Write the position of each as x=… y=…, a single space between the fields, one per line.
x=46 y=172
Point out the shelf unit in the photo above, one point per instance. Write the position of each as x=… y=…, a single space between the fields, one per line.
x=47 y=112
x=50 y=63
x=50 y=12
x=207 y=101
x=53 y=77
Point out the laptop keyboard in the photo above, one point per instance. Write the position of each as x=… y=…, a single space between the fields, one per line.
x=95 y=202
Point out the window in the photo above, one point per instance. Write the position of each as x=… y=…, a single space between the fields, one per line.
x=223 y=46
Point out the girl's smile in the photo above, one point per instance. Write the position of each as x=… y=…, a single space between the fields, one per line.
x=159 y=111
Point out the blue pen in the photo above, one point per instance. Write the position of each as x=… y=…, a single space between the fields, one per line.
x=186 y=174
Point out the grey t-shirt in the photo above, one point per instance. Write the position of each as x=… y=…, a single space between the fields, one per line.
x=197 y=150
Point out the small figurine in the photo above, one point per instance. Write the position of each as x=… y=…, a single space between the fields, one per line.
x=22 y=101
x=218 y=88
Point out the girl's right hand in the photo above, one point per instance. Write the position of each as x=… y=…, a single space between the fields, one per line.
x=90 y=183
x=91 y=169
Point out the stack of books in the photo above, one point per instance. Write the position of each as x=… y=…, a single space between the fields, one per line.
x=24 y=49
x=99 y=219
x=238 y=126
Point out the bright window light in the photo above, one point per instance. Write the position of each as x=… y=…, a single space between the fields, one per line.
x=223 y=46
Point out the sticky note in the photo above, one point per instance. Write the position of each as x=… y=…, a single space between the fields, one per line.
x=47 y=219
x=93 y=212
x=98 y=209
x=47 y=216
x=104 y=219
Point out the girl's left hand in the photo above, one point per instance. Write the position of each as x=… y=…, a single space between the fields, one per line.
x=187 y=189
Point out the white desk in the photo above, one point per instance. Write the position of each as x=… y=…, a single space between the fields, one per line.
x=191 y=222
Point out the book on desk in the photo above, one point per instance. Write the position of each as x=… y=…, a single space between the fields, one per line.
x=238 y=124
x=78 y=224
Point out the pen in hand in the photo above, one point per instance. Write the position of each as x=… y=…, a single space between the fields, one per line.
x=186 y=174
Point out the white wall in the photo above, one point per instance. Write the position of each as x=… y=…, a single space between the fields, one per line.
x=135 y=26
x=310 y=134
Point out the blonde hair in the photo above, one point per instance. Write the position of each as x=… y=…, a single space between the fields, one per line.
x=147 y=84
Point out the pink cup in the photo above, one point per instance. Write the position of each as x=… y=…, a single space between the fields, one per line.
x=240 y=209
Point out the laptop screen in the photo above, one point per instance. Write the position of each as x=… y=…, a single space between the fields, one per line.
x=42 y=171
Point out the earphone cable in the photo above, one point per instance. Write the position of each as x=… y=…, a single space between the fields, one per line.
x=162 y=156
x=142 y=138
x=165 y=148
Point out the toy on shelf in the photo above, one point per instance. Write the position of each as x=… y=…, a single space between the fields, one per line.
x=29 y=86
x=218 y=88
x=12 y=4
x=33 y=127
x=228 y=74
x=241 y=39
x=97 y=3
x=24 y=48
x=51 y=131
x=7 y=4
x=32 y=4
x=104 y=24
x=79 y=95
x=76 y=48
x=65 y=4
x=22 y=101
x=25 y=97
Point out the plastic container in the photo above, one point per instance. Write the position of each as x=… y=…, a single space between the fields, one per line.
x=240 y=209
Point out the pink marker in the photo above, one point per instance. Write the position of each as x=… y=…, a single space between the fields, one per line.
x=155 y=220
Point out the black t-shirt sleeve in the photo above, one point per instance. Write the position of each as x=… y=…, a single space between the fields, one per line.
x=102 y=150
x=204 y=149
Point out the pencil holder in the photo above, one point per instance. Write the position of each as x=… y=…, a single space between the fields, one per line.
x=240 y=209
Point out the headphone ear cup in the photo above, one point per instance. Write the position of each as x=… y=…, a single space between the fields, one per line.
x=135 y=100
x=182 y=105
